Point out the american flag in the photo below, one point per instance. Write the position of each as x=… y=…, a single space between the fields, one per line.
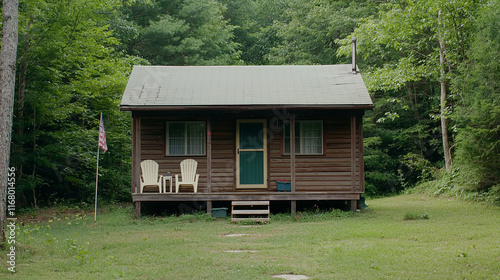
x=102 y=137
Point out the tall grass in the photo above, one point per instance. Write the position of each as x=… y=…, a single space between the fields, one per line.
x=451 y=183
x=458 y=240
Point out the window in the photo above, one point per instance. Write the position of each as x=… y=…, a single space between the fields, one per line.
x=185 y=138
x=308 y=138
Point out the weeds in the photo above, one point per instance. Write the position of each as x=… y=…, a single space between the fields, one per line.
x=312 y=216
x=196 y=217
x=373 y=244
x=412 y=215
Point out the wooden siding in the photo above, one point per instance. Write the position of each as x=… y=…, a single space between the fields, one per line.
x=223 y=154
x=328 y=172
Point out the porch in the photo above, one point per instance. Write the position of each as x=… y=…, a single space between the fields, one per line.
x=209 y=198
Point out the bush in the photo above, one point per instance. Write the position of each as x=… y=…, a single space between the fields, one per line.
x=450 y=183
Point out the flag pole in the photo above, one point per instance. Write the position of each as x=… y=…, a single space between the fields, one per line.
x=101 y=144
x=97 y=171
x=96 y=180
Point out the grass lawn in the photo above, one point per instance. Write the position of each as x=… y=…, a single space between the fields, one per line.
x=403 y=237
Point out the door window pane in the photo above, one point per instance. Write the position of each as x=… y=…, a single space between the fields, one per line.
x=251 y=136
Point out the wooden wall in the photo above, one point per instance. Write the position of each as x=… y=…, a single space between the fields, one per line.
x=328 y=172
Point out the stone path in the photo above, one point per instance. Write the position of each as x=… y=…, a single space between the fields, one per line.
x=281 y=276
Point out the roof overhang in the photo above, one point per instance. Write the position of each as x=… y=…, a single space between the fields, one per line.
x=171 y=88
x=245 y=107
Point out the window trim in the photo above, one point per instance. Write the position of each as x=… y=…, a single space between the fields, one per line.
x=300 y=137
x=167 y=138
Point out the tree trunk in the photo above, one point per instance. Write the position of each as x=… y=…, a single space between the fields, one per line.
x=21 y=98
x=444 y=120
x=7 y=80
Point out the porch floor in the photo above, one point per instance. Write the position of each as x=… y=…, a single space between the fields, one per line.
x=244 y=196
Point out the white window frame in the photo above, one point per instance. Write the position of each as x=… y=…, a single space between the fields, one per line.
x=185 y=153
x=301 y=137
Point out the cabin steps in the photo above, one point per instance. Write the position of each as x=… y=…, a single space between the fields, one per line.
x=256 y=211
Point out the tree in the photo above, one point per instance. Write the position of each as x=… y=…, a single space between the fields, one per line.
x=443 y=80
x=70 y=72
x=478 y=116
x=254 y=29
x=178 y=32
x=309 y=30
x=413 y=49
x=7 y=80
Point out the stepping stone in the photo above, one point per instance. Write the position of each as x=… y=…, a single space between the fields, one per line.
x=234 y=235
x=291 y=277
x=241 y=251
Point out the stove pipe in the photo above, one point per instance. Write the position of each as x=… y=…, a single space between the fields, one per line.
x=354 y=68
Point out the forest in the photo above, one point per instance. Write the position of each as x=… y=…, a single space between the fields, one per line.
x=432 y=68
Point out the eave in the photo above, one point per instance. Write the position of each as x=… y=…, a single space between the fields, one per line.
x=245 y=107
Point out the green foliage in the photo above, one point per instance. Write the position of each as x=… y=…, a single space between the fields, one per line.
x=450 y=183
x=476 y=174
x=401 y=144
x=312 y=216
x=69 y=72
x=180 y=32
x=478 y=146
x=309 y=30
x=415 y=215
x=74 y=58
x=254 y=29
x=293 y=32
x=399 y=57
x=196 y=217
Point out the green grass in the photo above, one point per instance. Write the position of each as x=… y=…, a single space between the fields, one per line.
x=413 y=215
x=458 y=240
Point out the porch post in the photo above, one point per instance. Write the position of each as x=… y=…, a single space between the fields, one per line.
x=354 y=205
x=293 y=209
x=137 y=209
x=136 y=153
x=136 y=160
x=353 y=160
x=353 y=153
x=361 y=187
x=209 y=163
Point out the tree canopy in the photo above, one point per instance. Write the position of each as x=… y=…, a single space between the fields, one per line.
x=74 y=58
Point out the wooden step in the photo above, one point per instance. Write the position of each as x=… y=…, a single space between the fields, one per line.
x=257 y=211
x=250 y=212
x=250 y=202
x=234 y=220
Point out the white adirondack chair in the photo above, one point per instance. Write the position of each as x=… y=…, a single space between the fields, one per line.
x=188 y=173
x=150 y=175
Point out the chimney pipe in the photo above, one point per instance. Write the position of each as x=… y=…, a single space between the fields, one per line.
x=354 y=68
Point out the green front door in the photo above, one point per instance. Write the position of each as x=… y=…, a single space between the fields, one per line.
x=251 y=155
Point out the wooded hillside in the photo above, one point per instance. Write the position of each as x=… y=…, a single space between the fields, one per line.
x=432 y=68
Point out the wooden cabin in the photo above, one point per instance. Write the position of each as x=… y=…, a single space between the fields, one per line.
x=240 y=122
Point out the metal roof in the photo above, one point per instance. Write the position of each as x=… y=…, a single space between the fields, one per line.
x=164 y=87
